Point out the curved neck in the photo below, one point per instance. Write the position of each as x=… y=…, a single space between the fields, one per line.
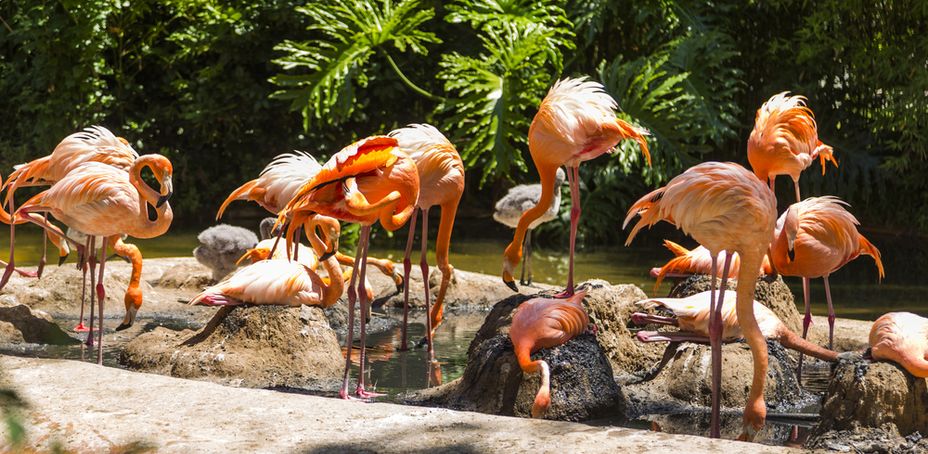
x=148 y=196
x=792 y=341
x=336 y=285
x=744 y=308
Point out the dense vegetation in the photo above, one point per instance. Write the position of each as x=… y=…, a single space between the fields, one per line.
x=221 y=86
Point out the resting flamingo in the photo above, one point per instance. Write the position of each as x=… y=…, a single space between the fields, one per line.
x=544 y=323
x=103 y=201
x=815 y=238
x=901 y=337
x=576 y=122
x=283 y=282
x=368 y=181
x=725 y=208
x=517 y=200
x=441 y=183
x=785 y=140
x=93 y=144
x=696 y=261
x=280 y=180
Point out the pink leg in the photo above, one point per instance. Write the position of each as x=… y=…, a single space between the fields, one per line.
x=796 y=185
x=527 y=259
x=42 y=260
x=20 y=272
x=640 y=318
x=424 y=266
x=364 y=312
x=92 y=259
x=101 y=298
x=11 y=265
x=296 y=246
x=573 y=176
x=831 y=315
x=806 y=321
x=715 y=338
x=654 y=336
x=349 y=341
x=82 y=262
x=407 y=267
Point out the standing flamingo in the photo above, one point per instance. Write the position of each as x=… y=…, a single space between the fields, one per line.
x=576 y=122
x=368 y=181
x=278 y=183
x=517 y=200
x=544 y=323
x=103 y=201
x=901 y=337
x=815 y=238
x=725 y=208
x=696 y=261
x=441 y=182
x=785 y=140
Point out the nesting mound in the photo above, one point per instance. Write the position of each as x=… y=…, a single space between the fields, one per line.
x=338 y=320
x=252 y=346
x=582 y=384
x=875 y=395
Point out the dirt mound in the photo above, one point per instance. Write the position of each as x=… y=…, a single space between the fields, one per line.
x=338 y=320
x=19 y=323
x=252 y=346
x=189 y=275
x=867 y=394
x=869 y=439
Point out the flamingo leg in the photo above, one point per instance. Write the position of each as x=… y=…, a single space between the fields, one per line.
x=527 y=260
x=831 y=315
x=806 y=321
x=424 y=266
x=573 y=177
x=640 y=318
x=407 y=267
x=82 y=262
x=92 y=259
x=654 y=336
x=796 y=185
x=43 y=260
x=349 y=341
x=715 y=340
x=11 y=264
x=101 y=298
x=296 y=246
x=365 y=311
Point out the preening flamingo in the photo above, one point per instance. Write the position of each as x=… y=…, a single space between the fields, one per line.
x=901 y=337
x=518 y=200
x=696 y=261
x=278 y=183
x=785 y=140
x=815 y=238
x=441 y=183
x=725 y=208
x=93 y=144
x=544 y=323
x=368 y=181
x=576 y=122
x=103 y=201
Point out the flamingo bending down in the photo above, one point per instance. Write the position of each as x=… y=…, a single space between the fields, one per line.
x=544 y=323
x=725 y=208
x=281 y=281
x=441 y=182
x=901 y=337
x=576 y=122
x=815 y=238
x=518 y=200
x=785 y=140
x=103 y=201
x=697 y=261
x=278 y=183
x=93 y=144
x=368 y=181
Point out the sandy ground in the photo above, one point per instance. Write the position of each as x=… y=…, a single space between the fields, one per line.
x=92 y=408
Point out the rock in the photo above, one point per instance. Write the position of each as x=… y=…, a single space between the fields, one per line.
x=9 y=334
x=253 y=346
x=869 y=439
x=338 y=320
x=582 y=384
x=22 y=324
x=185 y=276
x=876 y=395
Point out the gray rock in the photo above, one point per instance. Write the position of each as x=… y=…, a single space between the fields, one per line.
x=22 y=324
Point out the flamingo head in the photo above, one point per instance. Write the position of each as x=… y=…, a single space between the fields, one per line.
x=163 y=170
x=510 y=259
x=133 y=301
x=754 y=415
x=323 y=233
x=254 y=255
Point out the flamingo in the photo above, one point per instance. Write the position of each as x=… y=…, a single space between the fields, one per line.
x=281 y=281
x=725 y=208
x=576 y=122
x=785 y=140
x=901 y=337
x=519 y=199
x=544 y=323
x=280 y=180
x=93 y=144
x=368 y=181
x=441 y=183
x=103 y=201
x=696 y=261
x=691 y=315
x=815 y=238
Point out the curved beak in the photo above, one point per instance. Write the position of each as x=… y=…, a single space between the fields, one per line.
x=167 y=190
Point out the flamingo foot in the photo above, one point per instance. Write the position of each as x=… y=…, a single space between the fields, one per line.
x=343 y=394
x=567 y=293
x=361 y=393
x=25 y=273
x=41 y=268
x=81 y=328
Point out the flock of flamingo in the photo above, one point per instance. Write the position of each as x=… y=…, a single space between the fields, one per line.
x=98 y=192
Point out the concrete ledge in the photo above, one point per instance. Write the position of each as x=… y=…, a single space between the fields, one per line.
x=91 y=408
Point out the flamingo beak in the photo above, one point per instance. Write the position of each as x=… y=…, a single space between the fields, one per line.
x=327 y=255
x=62 y=258
x=167 y=190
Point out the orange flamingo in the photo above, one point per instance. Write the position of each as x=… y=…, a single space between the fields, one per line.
x=368 y=181
x=725 y=208
x=103 y=201
x=576 y=122
x=278 y=183
x=815 y=238
x=283 y=282
x=696 y=261
x=93 y=144
x=544 y=323
x=441 y=182
x=691 y=315
x=901 y=337
x=785 y=140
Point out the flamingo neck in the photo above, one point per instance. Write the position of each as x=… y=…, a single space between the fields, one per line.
x=792 y=341
x=336 y=285
x=755 y=411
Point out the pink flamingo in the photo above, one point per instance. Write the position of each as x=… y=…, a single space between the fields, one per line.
x=696 y=261
x=901 y=337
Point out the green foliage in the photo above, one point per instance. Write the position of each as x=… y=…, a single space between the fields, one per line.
x=11 y=406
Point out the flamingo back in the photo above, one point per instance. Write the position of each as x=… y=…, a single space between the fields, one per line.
x=901 y=337
x=284 y=176
x=272 y=282
x=548 y=322
x=437 y=161
x=784 y=140
x=692 y=314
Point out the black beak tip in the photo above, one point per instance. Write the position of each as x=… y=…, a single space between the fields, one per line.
x=123 y=326
x=792 y=255
x=326 y=256
x=512 y=285
x=61 y=259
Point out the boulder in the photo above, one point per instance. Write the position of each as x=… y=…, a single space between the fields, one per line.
x=9 y=334
x=19 y=323
x=582 y=384
x=251 y=346
x=338 y=320
x=188 y=275
x=875 y=395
